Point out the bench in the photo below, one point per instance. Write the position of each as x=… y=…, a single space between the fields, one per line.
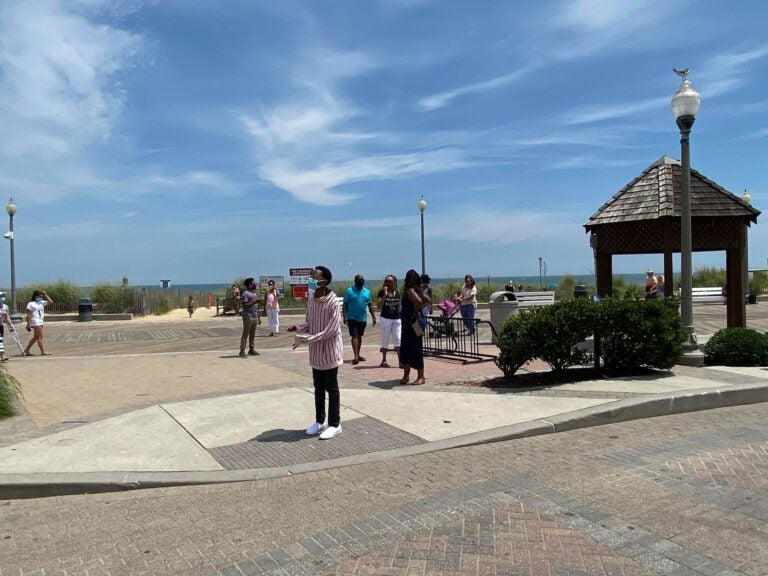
x=532 y=299
x=707 y=295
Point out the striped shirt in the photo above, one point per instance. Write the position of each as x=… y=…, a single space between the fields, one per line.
x=324 y=328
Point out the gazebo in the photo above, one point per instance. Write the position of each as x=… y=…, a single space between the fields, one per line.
x=644 y=218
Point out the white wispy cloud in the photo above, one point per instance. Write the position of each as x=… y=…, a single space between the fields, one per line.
x=60 y=92
x=580 y=29
x=602 y=112
x=503 y=227
x=367 y=223
x=587 y=162
x=760 y=133
x=442 y=99
x=85 y=229
x=728 y=71
x=57 y=88
x=319 y=184
x=307 y=148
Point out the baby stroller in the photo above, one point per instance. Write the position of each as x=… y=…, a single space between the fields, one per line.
x=442 y=326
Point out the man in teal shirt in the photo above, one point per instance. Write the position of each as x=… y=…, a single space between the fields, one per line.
x=357 y=304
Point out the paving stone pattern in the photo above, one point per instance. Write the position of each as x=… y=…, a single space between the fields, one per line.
x=623 y=499
x=289 y=447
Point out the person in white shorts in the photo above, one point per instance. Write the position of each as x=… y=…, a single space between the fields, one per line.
x=388 y=301
x=35 y=315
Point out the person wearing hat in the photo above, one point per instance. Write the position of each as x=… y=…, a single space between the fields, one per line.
x=4 y=319
x=651 y=285
x=354 y=310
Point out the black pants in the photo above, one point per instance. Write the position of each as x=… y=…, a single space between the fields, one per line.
x=327 y=381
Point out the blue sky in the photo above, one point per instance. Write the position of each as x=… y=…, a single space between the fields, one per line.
x=201 y=141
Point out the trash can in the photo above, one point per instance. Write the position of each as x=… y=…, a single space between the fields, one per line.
x=502 y=305
x=580 y=291
x=84 y=310
x=751 y=298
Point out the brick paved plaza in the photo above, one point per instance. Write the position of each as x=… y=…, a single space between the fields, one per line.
x=680 y=495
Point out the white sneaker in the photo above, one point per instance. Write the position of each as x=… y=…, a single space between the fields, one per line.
x=330 y=432
x=316 y=428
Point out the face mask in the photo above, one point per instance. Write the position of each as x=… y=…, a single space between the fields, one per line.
x=39 y=300
x=312 y=283
x=2 y=300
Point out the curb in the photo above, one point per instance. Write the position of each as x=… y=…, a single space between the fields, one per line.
x=19 y=486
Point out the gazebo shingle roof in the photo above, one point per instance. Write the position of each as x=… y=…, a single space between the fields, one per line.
x=655 y=194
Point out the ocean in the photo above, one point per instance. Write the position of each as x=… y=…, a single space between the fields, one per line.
x=548 y=283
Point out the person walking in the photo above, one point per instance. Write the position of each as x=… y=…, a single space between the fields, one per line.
x=357 y=304
x=272 y=307
x=412 y=347
x=191 y=306
x=388 y=301
x=469 y=303
x=249 y=301
x=4 y=319
x=35 y=320
x=234 y=295
x=322 y=332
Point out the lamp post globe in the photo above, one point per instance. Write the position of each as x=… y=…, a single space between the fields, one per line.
x=685 y=105
x=422 y=204
x=10 y=208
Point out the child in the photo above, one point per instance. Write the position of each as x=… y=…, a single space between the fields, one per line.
x=191 y=306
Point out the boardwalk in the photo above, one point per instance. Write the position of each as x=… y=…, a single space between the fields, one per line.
x=97 y=338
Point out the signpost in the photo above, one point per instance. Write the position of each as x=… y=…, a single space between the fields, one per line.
x=298 y=282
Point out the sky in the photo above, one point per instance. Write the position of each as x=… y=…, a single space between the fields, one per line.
x=209 y=140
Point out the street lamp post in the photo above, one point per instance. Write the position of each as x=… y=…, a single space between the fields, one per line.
x=10 y=208
x=685 y=104
x=422 y=206
x=747 y=199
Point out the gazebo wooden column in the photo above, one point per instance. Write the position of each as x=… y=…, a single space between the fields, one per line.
x=736 y=291
x=604 y=273
x=669 y=248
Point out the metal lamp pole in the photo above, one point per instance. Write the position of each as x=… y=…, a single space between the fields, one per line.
x=747 y=199
x=685 y=104
x=422 y=206
x=10 y=208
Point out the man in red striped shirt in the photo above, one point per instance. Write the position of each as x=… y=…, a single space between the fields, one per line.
x=322 y=331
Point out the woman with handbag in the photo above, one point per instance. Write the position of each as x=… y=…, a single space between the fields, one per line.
x=411 y=346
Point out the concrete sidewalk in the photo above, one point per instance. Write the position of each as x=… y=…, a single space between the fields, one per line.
x=124 y=421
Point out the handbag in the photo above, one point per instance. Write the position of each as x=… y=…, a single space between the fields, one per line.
x=416 y=327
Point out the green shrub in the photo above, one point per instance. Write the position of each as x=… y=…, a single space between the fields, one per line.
x=10 y=392
x=564 y=290
x=555 y=331
x=64 y=294
x=628 y=291
x=111 y=299
x=737 y=347
x=758 y=284
x=485 y=290
x=707 y=276
x=515 y=347
x=636 y=333
x=162 y=306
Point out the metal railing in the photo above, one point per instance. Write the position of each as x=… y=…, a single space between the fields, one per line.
x=448 y=337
